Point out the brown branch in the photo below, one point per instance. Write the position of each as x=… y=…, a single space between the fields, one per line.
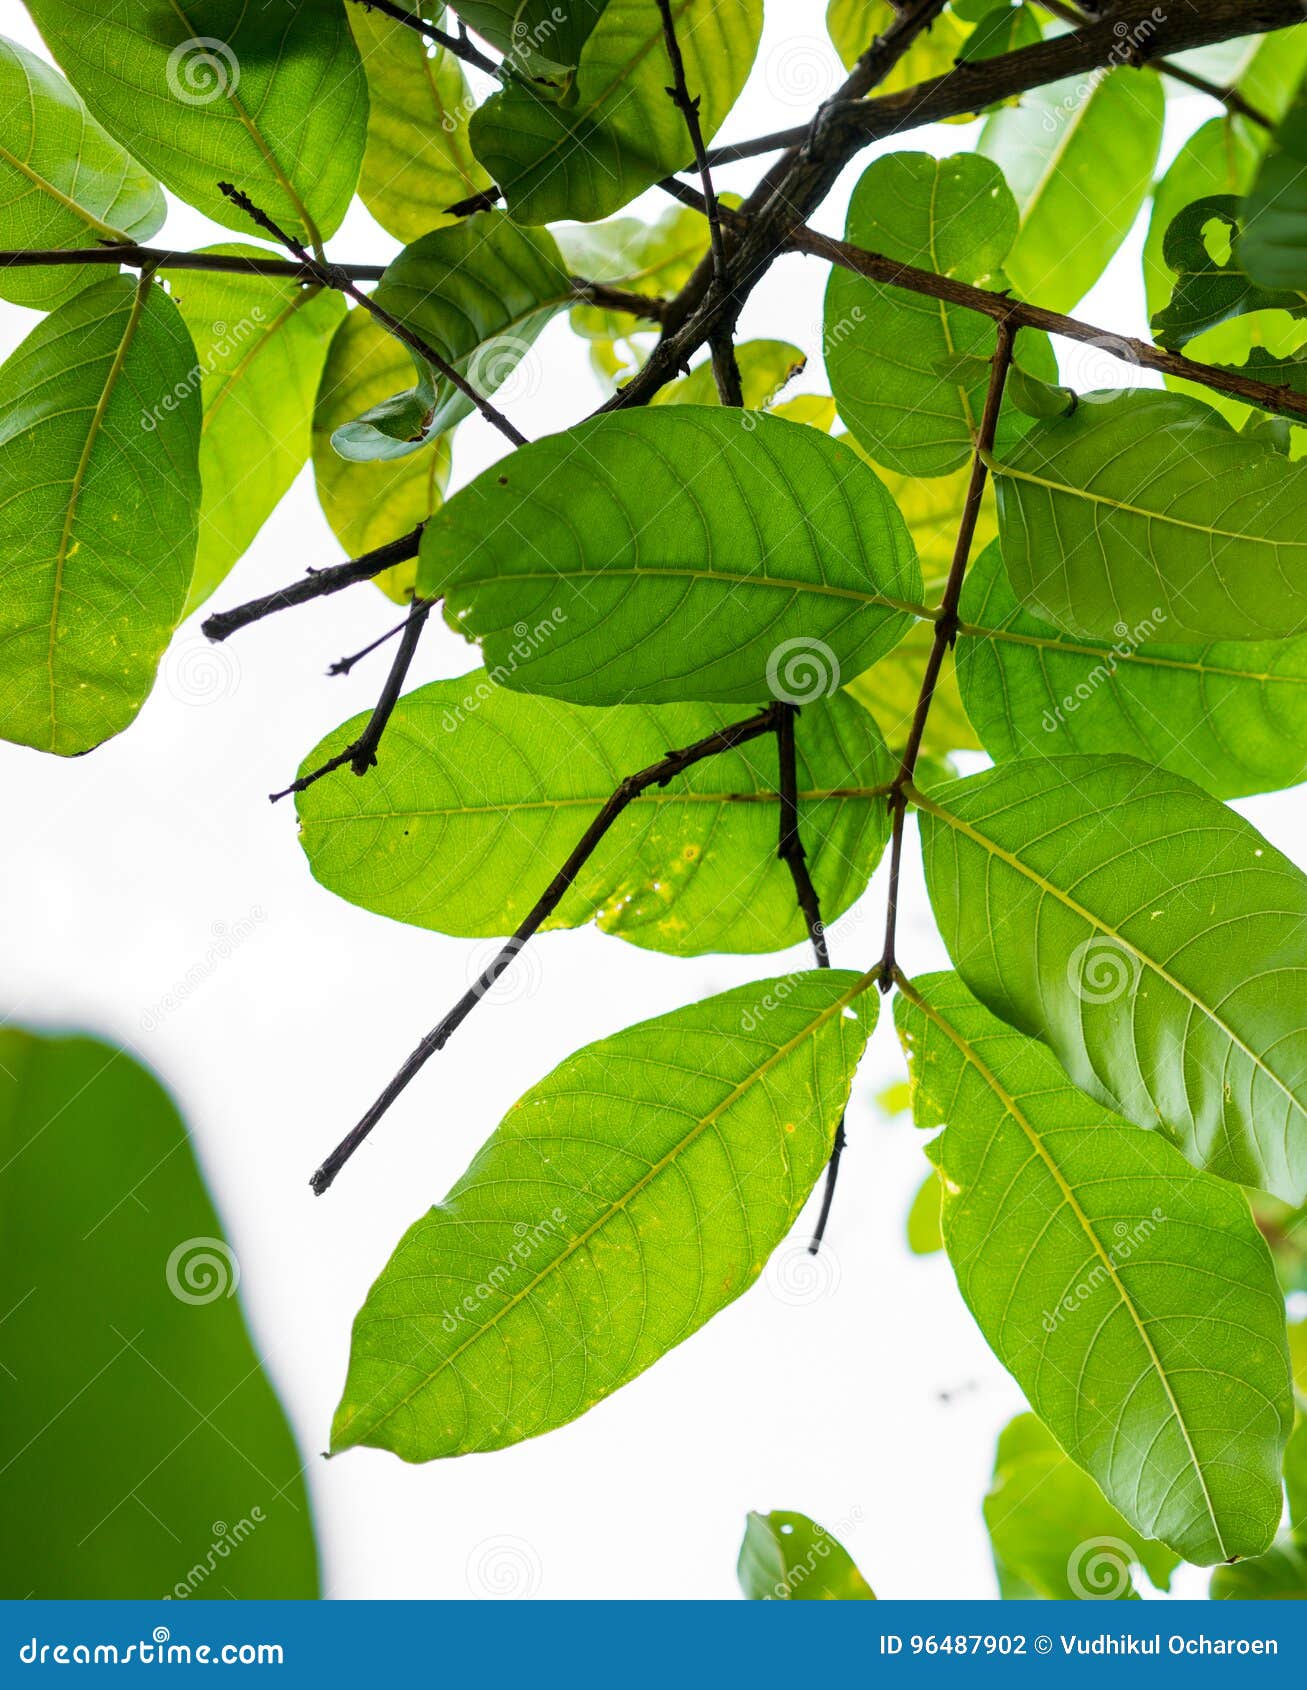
x=618 y=299
x=332 y=277
x=161 y=258
x=361 y=754
x=657 y=774
x=1004 y=309
x=946 y=629
x=688 y=106
x=316 y=584
x=458 y=45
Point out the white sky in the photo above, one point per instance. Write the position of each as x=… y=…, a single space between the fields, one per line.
x=871 y=1403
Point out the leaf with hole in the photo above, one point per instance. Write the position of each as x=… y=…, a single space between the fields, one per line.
x=99 y=510
x=481 y=792
x=1146 y=508
x=1204 y=249
x=1149 y=936
x=626 y=1199
x=1132 y=1298
x=64 y=181
x=681 y=552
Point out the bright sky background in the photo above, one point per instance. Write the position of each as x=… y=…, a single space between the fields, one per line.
x=855 y=1388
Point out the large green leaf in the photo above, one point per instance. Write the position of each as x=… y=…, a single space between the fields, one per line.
x=909 y=373
x=260 y=343
x=478 y=292
x=1230 y=716
x=418 y=160
x=1204 y=249
x=1274 y=244
x=64 y=182
x=145 y=1454
x=271 y=98
x=619 y=132
x=1053 y=1532
x=1132 y=1298
x=1079 y=156
x=685 y=551
x=481 y=792
x=625 y=1200
x=99 y=510
x=1149 y=936
x=1147 y=509
x=787 y=1557
x=370 y=503
x=1278 y=1576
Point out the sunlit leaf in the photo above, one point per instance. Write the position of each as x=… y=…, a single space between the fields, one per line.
x=788 y=1558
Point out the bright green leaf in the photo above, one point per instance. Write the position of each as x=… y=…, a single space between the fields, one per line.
x=683 y=551
x=854 y=24
x=889 y=352
x=99 y=507
x=1078 y=1241
x=418 y=160
x=1204 y=250
x=1147 y=508
x=787 y=1557
x=765 y=367
x=480 y=792
x=1079 y=157
x=147 y=1441
x=619 y=132
x=478 y=292
x=1273 y=247
x=1150 y=937
x=625 y=1200
x=271 y=98
x=1230 y=716
x=260 y=343
x=64 y=182
x=370 y=503
x=923 y=1228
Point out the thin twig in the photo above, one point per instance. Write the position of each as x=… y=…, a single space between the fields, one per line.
x=946 y=628
x=688 y=106
x=657 y=774
x=343 y=665
x=331 y=277
x=162 y=258
x=458 y=45
x=361 y=754
x=618 y=299
x=316 y=584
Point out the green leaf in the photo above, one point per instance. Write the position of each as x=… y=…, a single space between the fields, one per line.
x=1053 y=1531
x=538 y=36
x=1204 y=249
x=1298 y=1353
x=271 y=98
x=1273 y=247
x=481 y=792
x=1230 y=716
x=99 y=507
x=923 y=1228
x=854 y=24
x=418 y=160
x=1002 y=30
x=478 y=292
x=1295 y=1480
x=788 y=1557
x=1218 y=160
x=64 y=182
x=1132 y=1299
x=619 y=132
x=765 y=367
x=260 y=343
x=1278 y=1576
x=655 y=258
x=889 y=353
x=625 y=1200
x=1147 y=507
x=1149 y=936
x=147 y=1440
x=683 y=552
x=370 y=503
x=1039 y=399
x=1057 y=148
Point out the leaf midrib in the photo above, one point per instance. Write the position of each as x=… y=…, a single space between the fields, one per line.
x=617 y=1207
x=1013 y=1108
x=513 y=806
x=679 y=573
x=1138 y=654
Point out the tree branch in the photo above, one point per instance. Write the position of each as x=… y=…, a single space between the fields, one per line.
x=331 y=277
x=161 y=258
x=618 y=299
x=1004 y=309
x=657 y=774
x=946 y=629
x=458 y=45
x=361 y=754
x=688 y=106
x=316 y=584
